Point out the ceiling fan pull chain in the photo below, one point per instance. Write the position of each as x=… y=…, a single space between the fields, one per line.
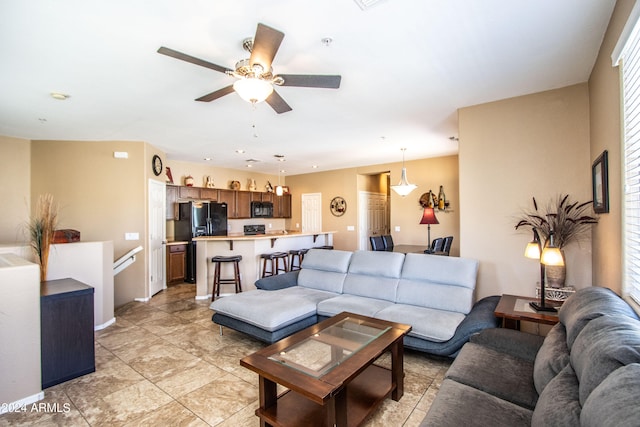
x=253 y=119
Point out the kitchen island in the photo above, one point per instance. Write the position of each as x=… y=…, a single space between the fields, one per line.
x=250 y=247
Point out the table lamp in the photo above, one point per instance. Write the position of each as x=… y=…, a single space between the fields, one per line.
x=429 y=217
x=550 y=255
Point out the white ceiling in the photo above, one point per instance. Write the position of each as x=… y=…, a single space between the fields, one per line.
x=406 y=66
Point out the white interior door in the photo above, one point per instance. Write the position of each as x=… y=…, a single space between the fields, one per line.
x=373 y=217
x=311 y=212
x=157 y=235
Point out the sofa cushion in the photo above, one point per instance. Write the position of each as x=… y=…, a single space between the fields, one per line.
x=604 y=345
x=509 y=341
x=324 y=270
x=374 y=274
x=614 y=402
x=558 y=405
x=552 y=357
x=588 y=304
x=444 y=283
x=426 y=323
x=496 y=373
x=353 y=304
x=458 y=405
x=285 y=306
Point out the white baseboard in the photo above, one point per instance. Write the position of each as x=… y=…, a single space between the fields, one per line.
x=15 y=406
x=105 y=324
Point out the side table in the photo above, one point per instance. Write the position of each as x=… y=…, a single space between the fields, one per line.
x=512 y=309
x=66 y=316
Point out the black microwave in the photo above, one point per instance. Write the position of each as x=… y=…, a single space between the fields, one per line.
x=261 y=210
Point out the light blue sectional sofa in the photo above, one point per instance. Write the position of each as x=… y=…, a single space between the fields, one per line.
x=585 y=372
x=433 y=294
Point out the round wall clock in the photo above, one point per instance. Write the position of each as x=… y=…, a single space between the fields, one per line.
x=338 y=206
x=156 y=165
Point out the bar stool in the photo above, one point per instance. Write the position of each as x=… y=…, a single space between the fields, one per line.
x=217 y=280
x=275 y=258
x=296 y=254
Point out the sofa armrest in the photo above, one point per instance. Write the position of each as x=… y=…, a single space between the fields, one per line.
x=279 y=281
x=510 y=341
x=479 y=318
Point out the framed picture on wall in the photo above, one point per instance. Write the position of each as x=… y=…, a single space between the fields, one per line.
x=600 y=183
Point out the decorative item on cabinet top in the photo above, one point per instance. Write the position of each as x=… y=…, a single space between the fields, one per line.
x=188 y=181
x=235 y=185
x=208 y=183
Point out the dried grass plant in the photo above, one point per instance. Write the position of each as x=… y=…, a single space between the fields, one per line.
x=570 y=221
x=41 y=228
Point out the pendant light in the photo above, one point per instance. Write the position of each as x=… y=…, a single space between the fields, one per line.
x=279 y=189
x=403 y=188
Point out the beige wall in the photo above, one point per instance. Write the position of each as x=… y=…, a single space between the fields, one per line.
x=99 y=195
x=605 y=110
x=15 y=175
x=405 y=212
x=510 y=150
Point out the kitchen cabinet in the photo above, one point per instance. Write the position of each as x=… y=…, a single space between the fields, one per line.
x=66 y=325
x=282 y=206
x=267 y=197
x=189 y=192
x=238 y=203
x=176 y=263
x=172 y=199
x=209 y=194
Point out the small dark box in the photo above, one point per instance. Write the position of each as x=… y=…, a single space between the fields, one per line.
x=66 y=236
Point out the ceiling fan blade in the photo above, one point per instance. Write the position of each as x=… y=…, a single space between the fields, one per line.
x=265 y=46
x=188 y=58
x=217 y=94
x=306 y=80
x=278 y=103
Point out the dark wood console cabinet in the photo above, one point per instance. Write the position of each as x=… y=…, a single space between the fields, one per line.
x=66 y=328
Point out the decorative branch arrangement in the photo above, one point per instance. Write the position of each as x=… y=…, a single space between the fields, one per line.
x=41 y=228
x=568 y=220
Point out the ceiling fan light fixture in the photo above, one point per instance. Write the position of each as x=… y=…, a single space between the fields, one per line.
x=252 y=89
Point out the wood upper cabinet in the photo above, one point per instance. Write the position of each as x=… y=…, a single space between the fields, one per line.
x=189 y=192
x=282 y=206
x=243 y=204
x=267 y=197
x=209 y=194
x=238 y=203
x=172 y=199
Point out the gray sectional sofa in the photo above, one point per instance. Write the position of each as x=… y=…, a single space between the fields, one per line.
x=433 y=294
x=585 y=372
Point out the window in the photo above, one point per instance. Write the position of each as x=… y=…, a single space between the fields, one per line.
x=627 y=55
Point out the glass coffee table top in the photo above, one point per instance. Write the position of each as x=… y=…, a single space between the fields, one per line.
x=323 y=351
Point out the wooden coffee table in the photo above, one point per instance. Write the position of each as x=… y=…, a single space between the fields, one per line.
x=329 y=372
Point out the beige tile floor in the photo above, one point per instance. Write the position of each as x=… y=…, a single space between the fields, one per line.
x=165 y=363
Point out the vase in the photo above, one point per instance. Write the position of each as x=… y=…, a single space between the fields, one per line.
x=556 y=274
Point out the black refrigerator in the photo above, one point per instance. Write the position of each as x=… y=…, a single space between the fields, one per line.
x=196 y=219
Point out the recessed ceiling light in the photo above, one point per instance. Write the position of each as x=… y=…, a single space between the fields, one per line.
x=208 y=159
x=42 y=120
x=239 y=151
x=280 y=157
x=326 y=41
x=59 y=96
x=315 y=166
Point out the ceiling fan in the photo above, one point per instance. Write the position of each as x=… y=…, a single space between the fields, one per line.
x=255 y=78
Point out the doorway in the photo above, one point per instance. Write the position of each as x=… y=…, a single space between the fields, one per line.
x=373 y=217
x=157 y=235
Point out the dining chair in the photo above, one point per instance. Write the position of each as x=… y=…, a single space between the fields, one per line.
x=387 y=240
x=436 y=245
x=377 y=243
x=446 y=247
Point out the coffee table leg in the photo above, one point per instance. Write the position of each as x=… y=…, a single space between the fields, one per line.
x=268 y=396
x=397 y=369
x=337 y=410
